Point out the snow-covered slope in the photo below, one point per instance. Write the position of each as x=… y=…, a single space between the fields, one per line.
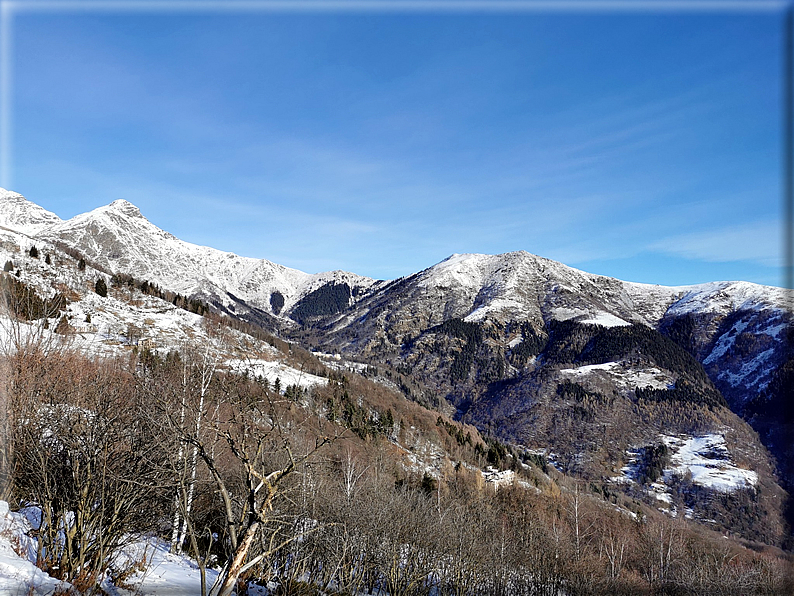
x=119 y=238
x=164 y=573
x=518 y=284
x=507 y=288
x=19 y=214
x=115 y=324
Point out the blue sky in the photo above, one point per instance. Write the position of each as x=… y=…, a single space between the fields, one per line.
x=641 y=146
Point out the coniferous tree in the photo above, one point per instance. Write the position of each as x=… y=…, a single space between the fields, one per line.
x=101 y=287
x=81 y=265
x=47 y=259
x=9 y=266
x=34 y=252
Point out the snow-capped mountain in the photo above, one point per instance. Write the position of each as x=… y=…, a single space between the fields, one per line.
x=585 y=366
x=513 y=287
x=736 y=330
x=20 y=215
x=120 y=239
x=520 y=287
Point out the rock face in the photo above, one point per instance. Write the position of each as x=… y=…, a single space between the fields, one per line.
x=494 y=338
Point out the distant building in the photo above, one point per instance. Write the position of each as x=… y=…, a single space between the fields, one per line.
x=85 y=328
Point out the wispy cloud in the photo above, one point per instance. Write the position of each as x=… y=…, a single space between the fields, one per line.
x=756 y=242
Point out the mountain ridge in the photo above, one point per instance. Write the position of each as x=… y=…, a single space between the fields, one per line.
x=588 y=367
x=512 y=287
x=118 y=237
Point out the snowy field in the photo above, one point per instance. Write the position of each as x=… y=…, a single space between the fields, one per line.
x=708 y=460
x=336 y=362
x=272 y=370
x=705 y=459
x=18 y=575
x=602 y=318
x=165 y=574
x=628 y=378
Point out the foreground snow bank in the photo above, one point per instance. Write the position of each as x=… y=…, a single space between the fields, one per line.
x=18 y=574
x=164 y=574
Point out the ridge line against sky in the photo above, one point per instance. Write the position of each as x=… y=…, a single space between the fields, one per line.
x=732 y=246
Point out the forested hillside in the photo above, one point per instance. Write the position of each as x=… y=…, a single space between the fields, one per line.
x=345 y=488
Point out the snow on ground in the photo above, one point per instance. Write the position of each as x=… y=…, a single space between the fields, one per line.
x=564 y=314
x=659 y=490
x=458 y=270
x=628 y=378
x=496 y=305
x=758 y=364
x=272 y=370
x=18 y=574
x=605 y=319
x=773 y=327
x=165 y=574
x=336 y=362
x=421 y=455
x=162 y=574
x=498 y=477
x=116 y=321
x=754 y=370
x=726 y=341
x=106 y=326
x=20 y=214
x=724 y=296
x=708 y=460
x=117 y=325
x=602 y=318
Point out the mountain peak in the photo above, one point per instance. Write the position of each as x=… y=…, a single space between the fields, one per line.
x=21 y=215
x=125 y=207
x=10 y=195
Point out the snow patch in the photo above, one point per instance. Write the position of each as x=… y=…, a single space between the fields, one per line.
x=605 y=319
x=623 y=376
x=708 y=460
x=498 y=477
x=496 y=305
x=272 y=370
x=165 y=574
